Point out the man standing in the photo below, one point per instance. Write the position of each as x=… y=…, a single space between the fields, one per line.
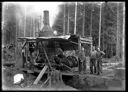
x=82 y=61
x=99 y=61
x=93 y=61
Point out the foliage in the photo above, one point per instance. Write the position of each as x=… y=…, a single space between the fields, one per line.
x=108 y=23
x=14 y=24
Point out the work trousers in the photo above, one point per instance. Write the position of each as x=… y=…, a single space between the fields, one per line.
x=99 y=66
x=79 y=65
x=82 y=66
x=93 y=65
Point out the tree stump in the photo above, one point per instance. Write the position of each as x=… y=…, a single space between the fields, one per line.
x=56 y=78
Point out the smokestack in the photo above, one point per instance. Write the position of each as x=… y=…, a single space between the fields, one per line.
x=46 y=31
x=46 y=17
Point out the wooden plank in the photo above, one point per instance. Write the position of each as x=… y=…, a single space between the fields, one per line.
x=24 y=44
x=41 y=74
x=45 y=81
x=86 y=39
x=47 y=58
x=86 y=42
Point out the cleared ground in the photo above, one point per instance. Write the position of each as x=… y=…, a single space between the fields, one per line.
x=112 y=78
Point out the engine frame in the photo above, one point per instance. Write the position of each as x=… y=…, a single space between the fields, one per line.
x=46 y=46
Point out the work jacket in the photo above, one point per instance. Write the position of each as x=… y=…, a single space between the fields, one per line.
x=82 y=56
x=100 y=54
x=94 y=54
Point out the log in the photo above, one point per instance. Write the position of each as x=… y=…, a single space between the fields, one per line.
x=41 y=74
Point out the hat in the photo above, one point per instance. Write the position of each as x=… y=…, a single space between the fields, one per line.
x=98 y=48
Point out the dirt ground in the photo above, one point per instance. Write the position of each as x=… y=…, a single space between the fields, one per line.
x=109 y=70
x=115 y=76
x=27 y=84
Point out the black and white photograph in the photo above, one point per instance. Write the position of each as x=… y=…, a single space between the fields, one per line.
x=58 y=46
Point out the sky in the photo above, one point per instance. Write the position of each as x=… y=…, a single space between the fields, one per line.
x=37 y=8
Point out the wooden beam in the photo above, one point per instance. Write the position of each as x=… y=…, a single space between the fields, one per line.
x=47 y=58
x=24 y=44
x=86 y=42
x=68 y=67
x=86 y=39
x=45 y=81
x=41 y=74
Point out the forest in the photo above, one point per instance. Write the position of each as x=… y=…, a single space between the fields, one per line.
x=100 y=21
x=34 y=65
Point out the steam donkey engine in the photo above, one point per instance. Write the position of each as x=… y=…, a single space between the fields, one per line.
x=48 y=49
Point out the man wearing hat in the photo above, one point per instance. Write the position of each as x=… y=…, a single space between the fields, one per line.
x=93 y=61
x=99 y=60
x=82 y=61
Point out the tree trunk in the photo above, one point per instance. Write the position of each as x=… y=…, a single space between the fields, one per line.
x=16 y=41
x=83 y=20
x=75 y=18
x=68 y=21
x=117 y=34
x=64 y=21
x=123 y=36
x=103 y=26
x=91 y=21
x=25 y=22
x=100 y=25
x=33 y=27
x=19 y=28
